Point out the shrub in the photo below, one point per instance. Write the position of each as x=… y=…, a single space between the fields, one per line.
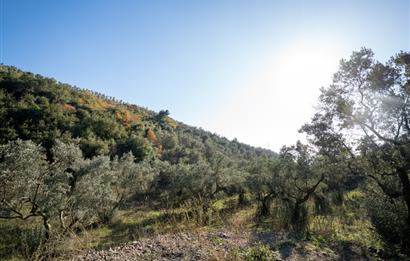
x=388 y=217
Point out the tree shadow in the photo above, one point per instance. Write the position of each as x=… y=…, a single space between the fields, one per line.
x=277 y=241
x=126 y=231
x=349 y=251
x=128 y=228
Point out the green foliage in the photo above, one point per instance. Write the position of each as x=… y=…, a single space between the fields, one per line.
x=71 y=158
x=20 y=240
x=388 y=218
x=138 y=146
x=364 y=116
x=265 y=182
x=42 y=110
x=303 y=175
x=67 y=189
x=31 y=187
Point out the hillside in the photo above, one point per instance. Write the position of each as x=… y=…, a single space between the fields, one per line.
x=87 y=177
x=43 y=109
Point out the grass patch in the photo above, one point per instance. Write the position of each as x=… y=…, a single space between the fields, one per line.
x=128 y=226
x=328 y=230
x=225 y=203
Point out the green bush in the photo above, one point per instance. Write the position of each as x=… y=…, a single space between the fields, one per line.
x=20 y=241
x=389 y=219
x=31 y=243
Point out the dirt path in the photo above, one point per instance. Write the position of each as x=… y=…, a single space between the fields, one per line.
x=217 y=245
x=180 y=246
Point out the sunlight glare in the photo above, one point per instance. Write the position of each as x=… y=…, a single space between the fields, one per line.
x=282 y=96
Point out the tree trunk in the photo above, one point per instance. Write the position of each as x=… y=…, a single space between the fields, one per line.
x=295 y=214
x=265 y=207
x=339 y=198
x=241 y=199
x=205 y=213
x=404 y=178
x=47 y=227
x=61 y=217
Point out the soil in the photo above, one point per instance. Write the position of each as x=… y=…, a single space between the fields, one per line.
x=222 y=245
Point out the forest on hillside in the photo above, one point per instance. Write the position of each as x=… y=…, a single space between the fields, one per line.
x=82 y=171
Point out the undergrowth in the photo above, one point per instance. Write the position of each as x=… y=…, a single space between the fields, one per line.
x=324 y=232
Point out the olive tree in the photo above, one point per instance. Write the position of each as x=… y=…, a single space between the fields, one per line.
x=65 y=189
x=30 y=185
x=301 y=175
x=368 y=103
x=264 y=182
x=103 y=185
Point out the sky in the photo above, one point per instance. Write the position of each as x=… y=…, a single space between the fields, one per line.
x=249 y=70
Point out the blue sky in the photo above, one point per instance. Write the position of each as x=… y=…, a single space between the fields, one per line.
x=244 y=69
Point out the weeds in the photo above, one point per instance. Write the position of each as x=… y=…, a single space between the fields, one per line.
x=259 y=252
x=343 y=226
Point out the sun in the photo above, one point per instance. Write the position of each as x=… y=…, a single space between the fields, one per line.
x=281 y=96
x=307 y=64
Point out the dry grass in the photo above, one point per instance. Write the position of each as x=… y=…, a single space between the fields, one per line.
x=323 y=230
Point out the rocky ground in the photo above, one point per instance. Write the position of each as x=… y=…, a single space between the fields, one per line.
x=222 y=245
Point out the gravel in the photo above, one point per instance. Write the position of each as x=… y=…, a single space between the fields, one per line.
x=179 y=246
x=220 y=245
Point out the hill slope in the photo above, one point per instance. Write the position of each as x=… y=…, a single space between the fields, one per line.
x=81 y=171
x=43 y=109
